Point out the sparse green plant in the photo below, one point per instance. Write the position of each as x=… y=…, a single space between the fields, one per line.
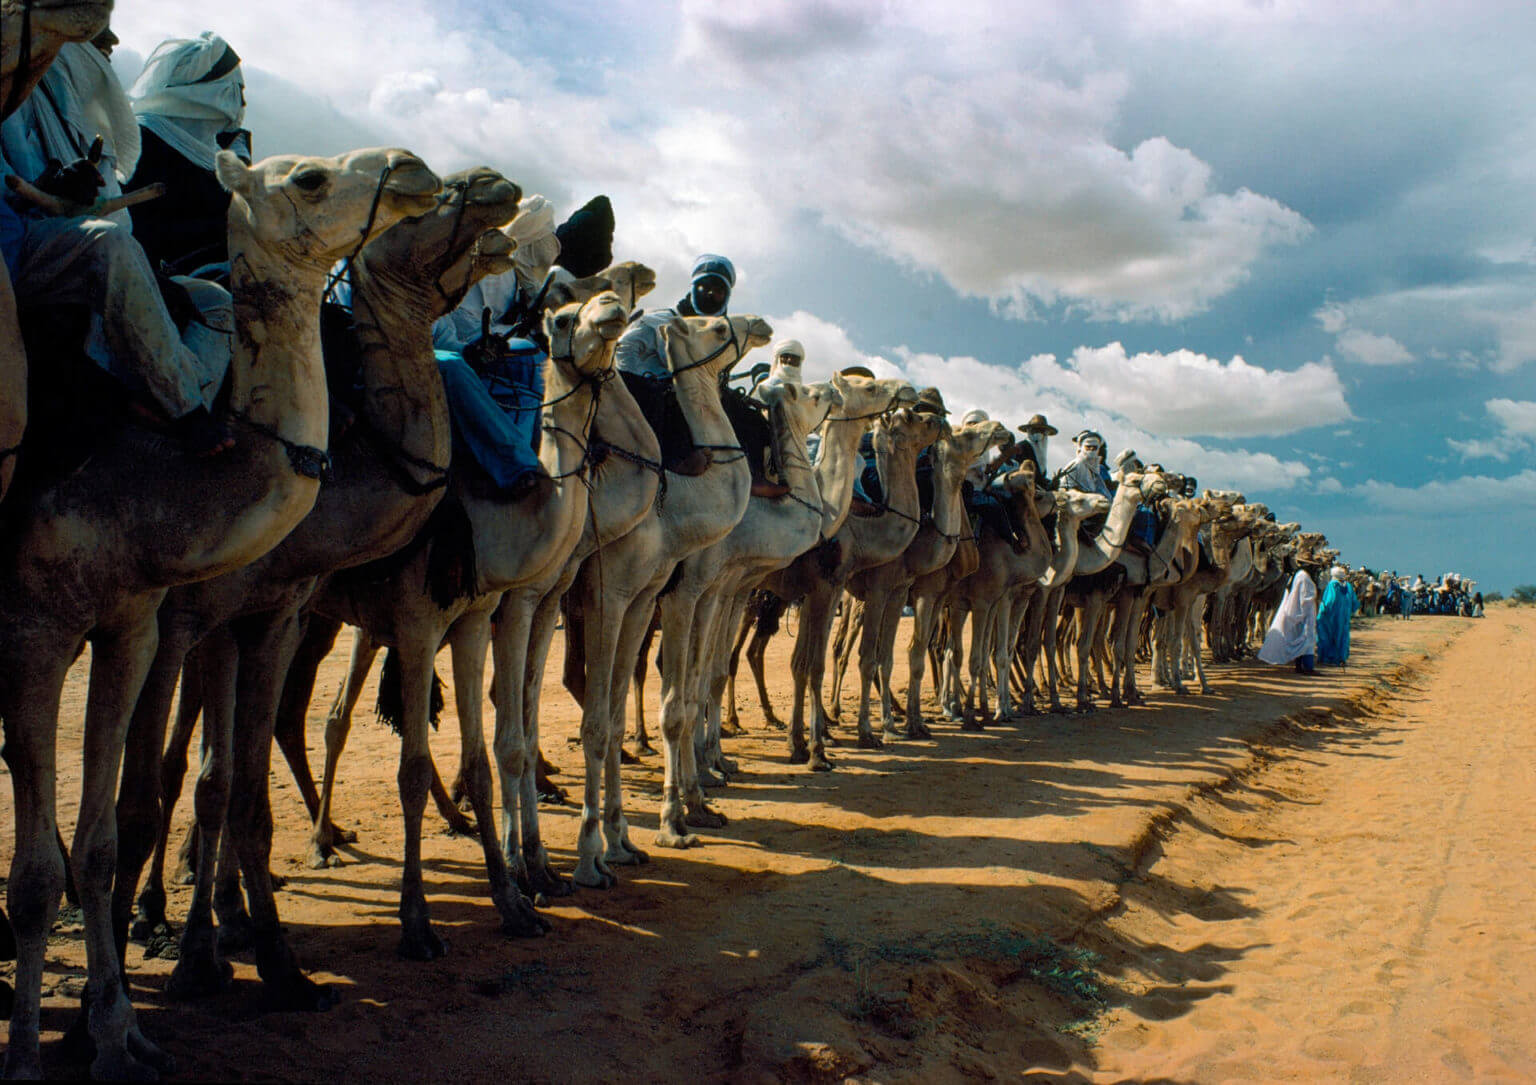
x=1524 y=593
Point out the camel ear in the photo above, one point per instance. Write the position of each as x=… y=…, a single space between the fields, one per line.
x=233 y=174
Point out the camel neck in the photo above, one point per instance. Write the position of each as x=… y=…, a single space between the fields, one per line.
x=403 y=395
x=625 y=488
x=950 y=463
x=795 y=467
x=1108 y=544
x=277 y=375
x=568 y=418
x=898 y=474
x=838 y=465
x=698 y=395
x=1065 y=561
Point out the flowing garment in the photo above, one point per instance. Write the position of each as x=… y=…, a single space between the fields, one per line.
x=1293 y=632
x=1339 y=603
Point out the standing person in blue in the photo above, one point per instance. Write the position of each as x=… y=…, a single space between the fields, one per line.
x=1339 y=604
x=641 y=360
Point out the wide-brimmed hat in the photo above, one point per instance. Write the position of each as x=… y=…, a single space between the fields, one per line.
x=1038 y=424
x=856 y=371
x=1125 y=457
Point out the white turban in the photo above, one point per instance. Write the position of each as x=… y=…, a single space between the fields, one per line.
x=537 y=246
x=179 y=98
x=789 y=346
x=978 y=415
x=1338 y=572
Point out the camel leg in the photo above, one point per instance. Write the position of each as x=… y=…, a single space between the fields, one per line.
x=417 y=648
x=808 y=667
x=925 y=610
x=850 y=624
x=642 y=739
x=757 y=650
x=142 y=805
x=598 y=636
x=869 y=661
x=1087 y=618
x=267 y=645
x=338 y=725
x=682 y=803
x=123 y=649
x=317 y=638
x=1132 y=695
x=31 y=715
x=468 y=639
x=885 y=656
x=199 y=971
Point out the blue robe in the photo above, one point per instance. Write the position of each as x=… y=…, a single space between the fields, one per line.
x=1339 y=603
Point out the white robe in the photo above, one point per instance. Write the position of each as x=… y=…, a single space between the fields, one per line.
x=1293 y=632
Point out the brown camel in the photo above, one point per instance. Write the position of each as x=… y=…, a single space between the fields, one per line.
x=92 y=555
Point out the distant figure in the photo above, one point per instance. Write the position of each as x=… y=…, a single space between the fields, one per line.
x=1292 y=636
x=1339 y=604
x=1477 y=605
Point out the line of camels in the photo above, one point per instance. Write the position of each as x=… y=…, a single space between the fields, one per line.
x=231 y=577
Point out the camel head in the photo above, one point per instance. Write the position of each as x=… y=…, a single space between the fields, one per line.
x=50 y=25
x=1075 y=506
x=711 y=344
x=630 y=280
x=1231 y=497
x=818 y=402
x=430 y=260
x=907 y=430
x=314 y=211
x=582 y=335
x=867 y=398
x=964 y=446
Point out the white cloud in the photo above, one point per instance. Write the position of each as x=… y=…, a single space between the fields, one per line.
x=1370 y=349
x=1013 y=393
x=1329 y=485
x=1517 y=432
x=1470 y=493
x=1185 y=393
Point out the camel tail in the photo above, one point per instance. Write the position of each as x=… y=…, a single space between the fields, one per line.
x=391 y=702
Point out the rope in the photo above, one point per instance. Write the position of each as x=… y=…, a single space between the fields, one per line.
x=307 y=460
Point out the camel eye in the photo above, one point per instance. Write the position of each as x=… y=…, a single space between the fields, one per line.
x=562 y=321
x=311 y=181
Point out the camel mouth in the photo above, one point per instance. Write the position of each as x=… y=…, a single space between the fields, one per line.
x=494 y=243
x=411 y=183
x=611 y=327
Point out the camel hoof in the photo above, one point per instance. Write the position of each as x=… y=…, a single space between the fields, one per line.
x=918 y=730
x=151 y=915
x=727 y=766
x=799 y=755
x=519 y=919
x=199 y=976
x=546 y=882
x=627 y=758
x=343 y=836
x=140 y=1047
x=821 y=763
x=422 y=944
x=774 y=722
x=708 y=777
x=550 y=795
x=116 y=1064
x=321 y=857
x=868 y=740
x=731 y=727
x=278 y=881
x=628 y=855
x=184 y=875
x=643 y=746
x=598 y=879
x=972 y=726
x=702 y=817
x=456 y=824
x=668 y=837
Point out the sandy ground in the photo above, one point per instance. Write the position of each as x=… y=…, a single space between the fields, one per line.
x=1286 y=879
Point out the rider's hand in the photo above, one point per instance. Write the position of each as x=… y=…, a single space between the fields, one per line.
x=79 y=182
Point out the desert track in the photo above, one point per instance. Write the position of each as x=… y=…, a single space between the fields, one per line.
x=1285 y=879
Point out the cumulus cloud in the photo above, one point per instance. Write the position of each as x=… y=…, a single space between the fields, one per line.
x=1071 y=402
x=1367 y=348
x=1185 y=393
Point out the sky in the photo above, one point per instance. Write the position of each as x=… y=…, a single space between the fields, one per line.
x=1287 y=246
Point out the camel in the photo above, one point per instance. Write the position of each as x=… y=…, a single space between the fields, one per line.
x=391 y=466
x=25 y=56
x=862 y=543
x=615 y=591
x=1089 y=587
x=997 y=594
x=884 y=588
x=623 y=476
x=93 y=554
x=1072 y=508
x=838 y=466
x=630 y=281
x=771 y=533
x=513 y=542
